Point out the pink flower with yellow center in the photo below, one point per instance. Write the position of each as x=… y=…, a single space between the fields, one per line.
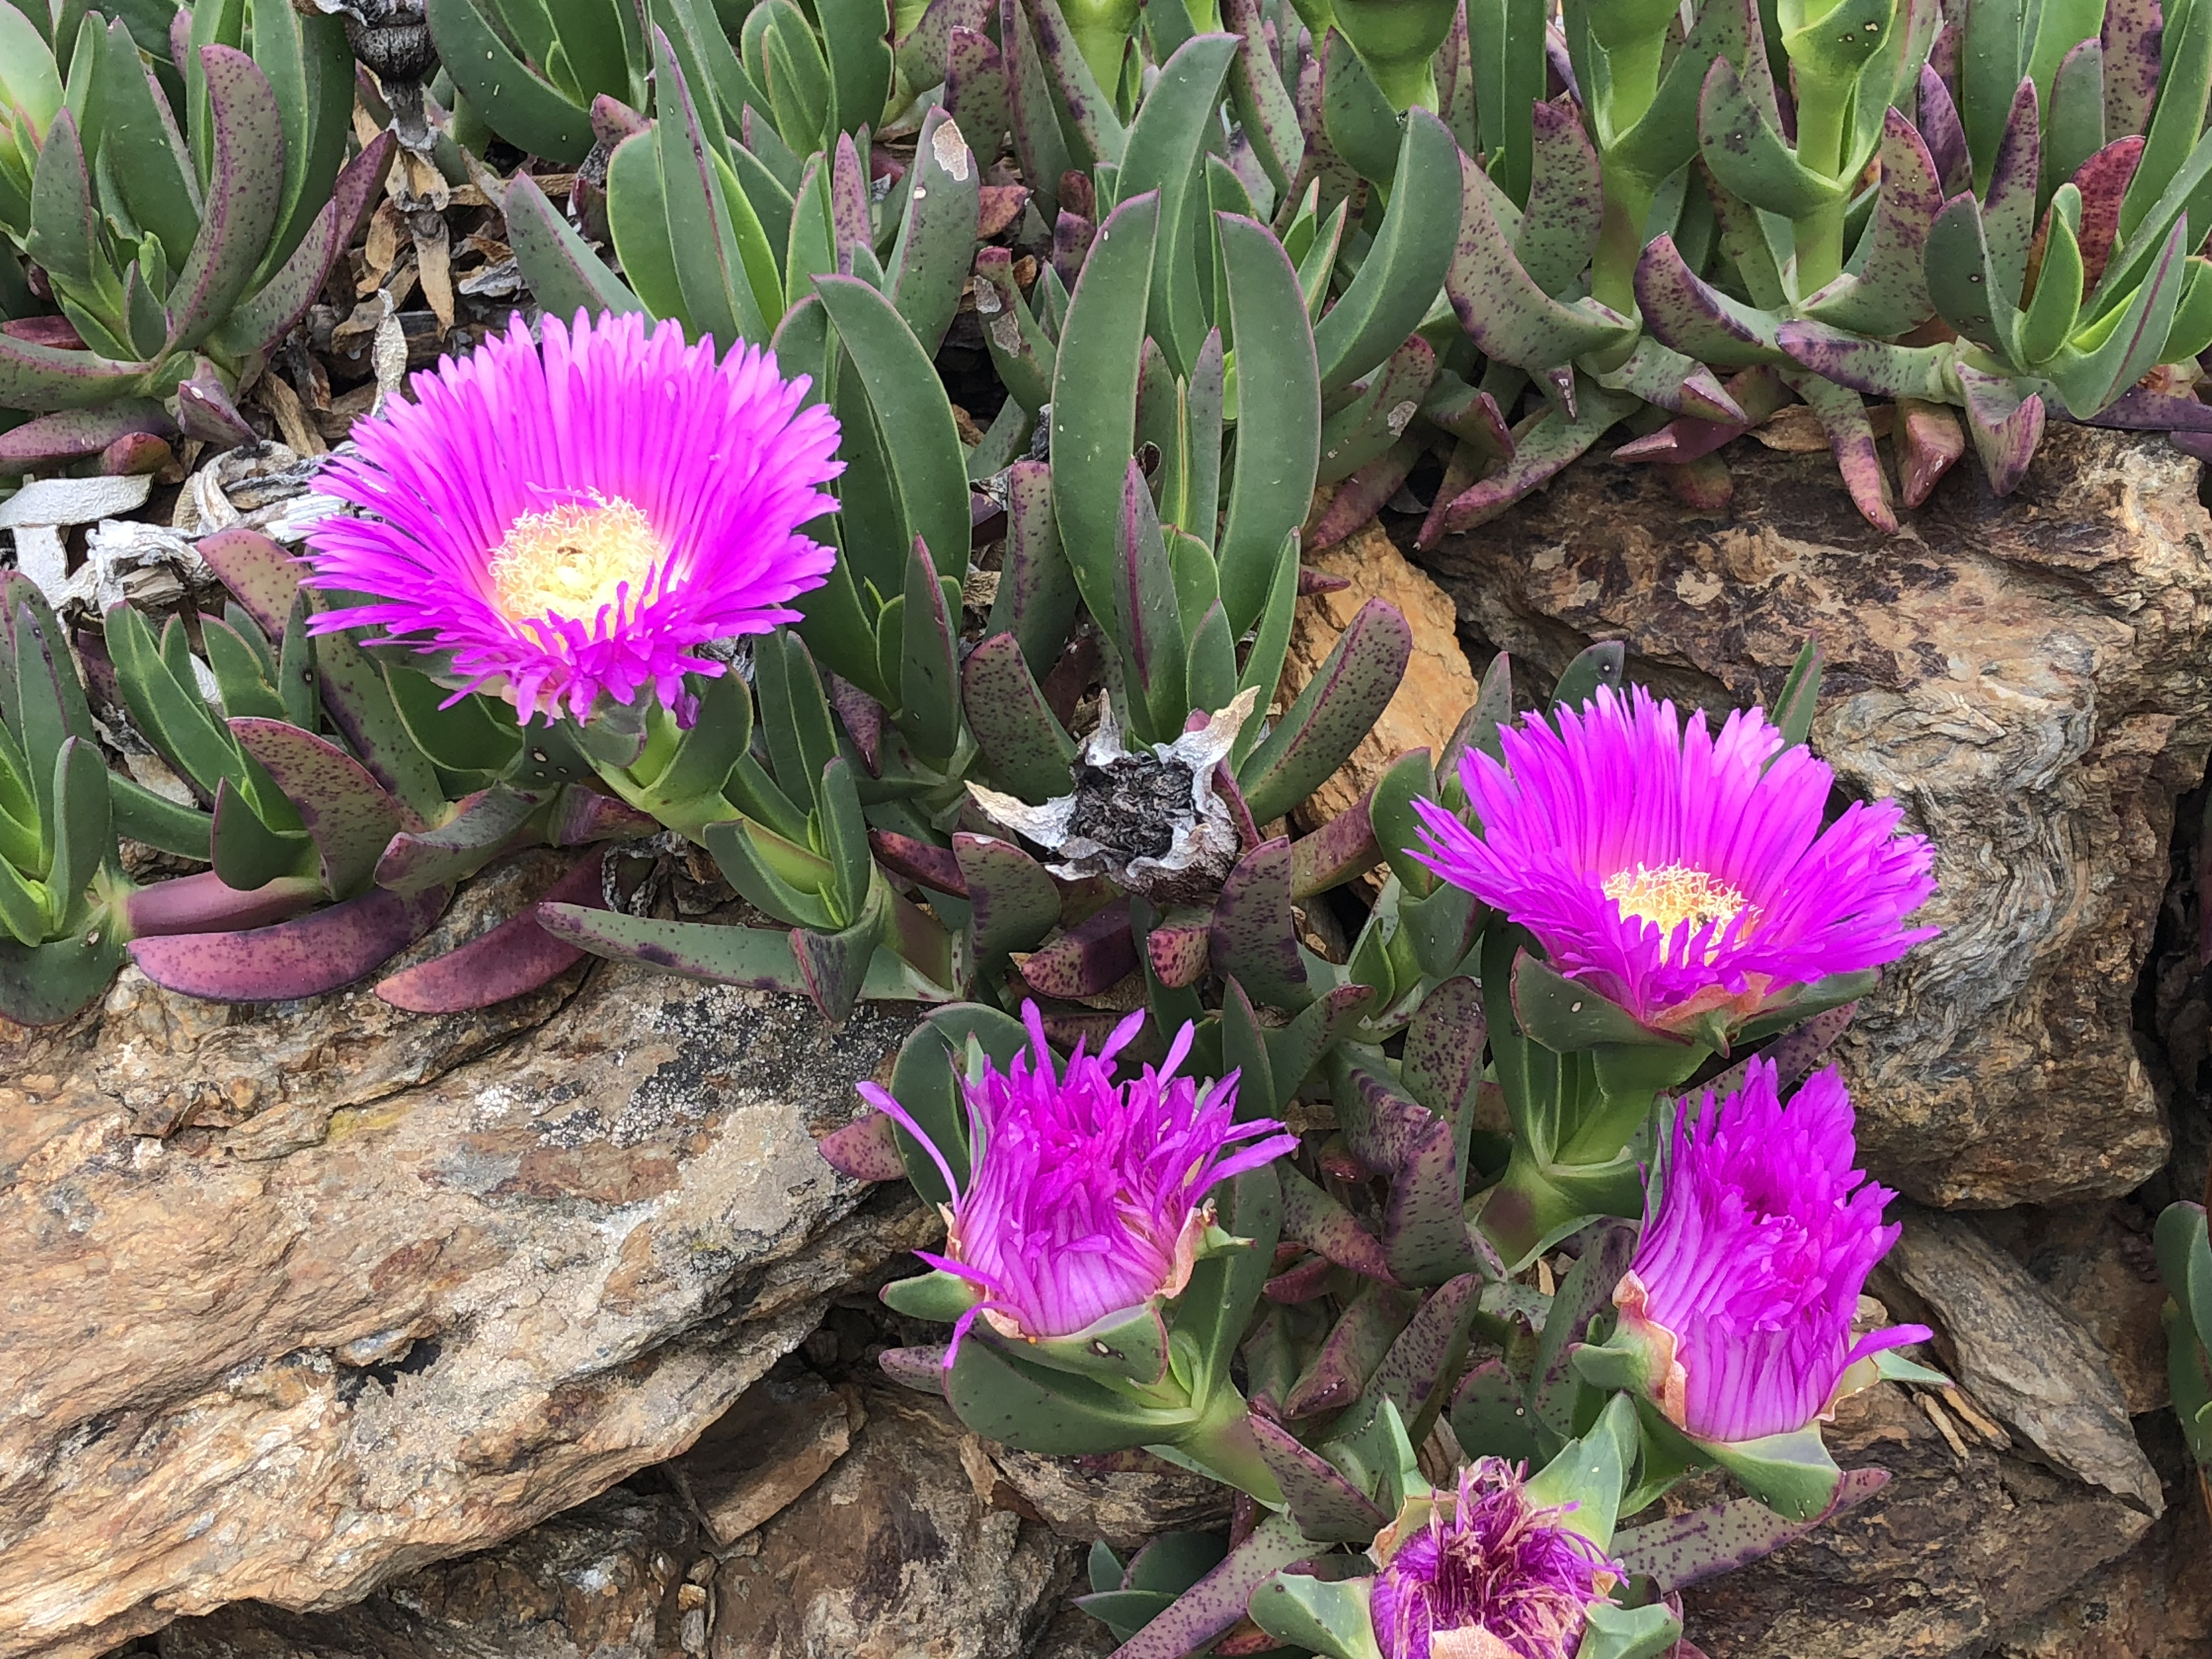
x=1746 y=1280
x=1679 y=872
x=561 y=522
x=1087 y=1196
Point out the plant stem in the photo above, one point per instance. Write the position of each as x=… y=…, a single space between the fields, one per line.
x=1822 y=107
x=1222 y=1443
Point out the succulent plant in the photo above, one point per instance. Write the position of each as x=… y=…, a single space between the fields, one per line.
x=183 y=217
x=2184 y=1261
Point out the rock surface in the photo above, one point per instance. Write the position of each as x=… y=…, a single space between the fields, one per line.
x=391 y=1289
x=1961 y=1545
x=2029 y=676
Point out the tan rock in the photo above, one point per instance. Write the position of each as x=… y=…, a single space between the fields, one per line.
x=2028 y=676
x=1439 y=687
x=393 y=1289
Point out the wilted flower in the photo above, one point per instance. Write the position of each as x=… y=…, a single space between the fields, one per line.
x=1681 y=875
x=1489 y=1576
x=580 y=519
x=1744 y=1287
x=1087 y=1197
x=1148 y=818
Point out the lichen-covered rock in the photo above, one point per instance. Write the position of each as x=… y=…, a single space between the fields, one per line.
x=2028 y=676
x=392 y=1289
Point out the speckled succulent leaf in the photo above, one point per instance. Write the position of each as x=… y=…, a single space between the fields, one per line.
x=1665 y=378
x=49 y=983
x=1502 y=307
x=51 y=441
x=345 y=811
x=1337 y=707
x=757 y=957
x=1888 y=294
x=1545 y=444
x=1015 y=903
x=1698 y=1544
x=1875 y=368
x=1687 y=314
x=1339 y=1372
x=562 y=270
x=318 y=952
x=511 y=960
x=1326 y=1507
x=1851 y=441
x=1216 y=1601
x=2004 y=423
x=1098 y=952
x=1748 y=157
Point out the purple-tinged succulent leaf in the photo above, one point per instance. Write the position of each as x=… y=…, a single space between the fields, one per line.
x=2132 y=38
x=1469 y=415
x=359 y=703
x=1873 y=367
x=203 y=903
x=1039 y=143
x=1295 y=1050
x=1699 y=1544
x=1339 y=850
x=1608 y=1249
x=1337 y=709
x=1036 y=599
x=1962 y=280
x=1566 y=209
x=757 y=957
x=1252 y=935
x=245 y=194
x=53 y=441
x=2089 y=380
x=1219 y=1600
x=1264 y=105
x=866 y=1149
x=1545 y=444
x=1743 y=147
x=1927 y=441
x=918 y=861
x=1442 y=1063
x=1696 y=319
x=849 y=224
x=1317 y=1220
x=345 y=811
x=1027 y=751
x=267 y=316
x=2103 y=180
x=134 y=454
x=977 y=91
x=1501 y=306
x=304 y=957
x=1350 y=1353
x=1888 y=292
x=260 y=575
x=2005 y=427
x=1425 y=1230
x=206 y=411
x=1491 y=1410
x=582 y=815
x=1095 y=955
x=1326 y=1507
x=2008 y=206
x=2141 y=409
x=47 y=984
x=1429 y=1352
x=1659 y=374
x=1375 y=421
x=1014 y=902
x=35 y=377
x=1944 y=136
x=921 y=1369
x=1850 y=440
x=1383 y=1125
x=1090 y=111
x=1758 y=391
x=1307 y=1282
x=1362 y=496
x=1177 y=953
x=517 y=956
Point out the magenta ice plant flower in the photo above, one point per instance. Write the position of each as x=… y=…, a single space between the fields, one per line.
x=1087 y=1195
x=564 y=521
x=1746 y=1279
x=1681 y=873
x=1489 y=1575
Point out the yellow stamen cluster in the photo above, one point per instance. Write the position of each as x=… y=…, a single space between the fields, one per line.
x=1673 y=894
x=570 y=561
